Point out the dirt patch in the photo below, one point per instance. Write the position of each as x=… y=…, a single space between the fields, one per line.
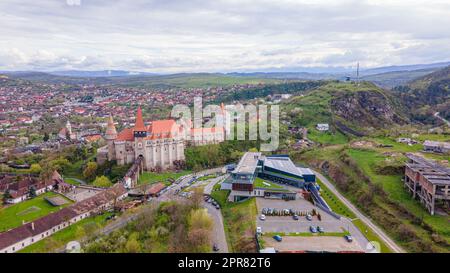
x=363 y=144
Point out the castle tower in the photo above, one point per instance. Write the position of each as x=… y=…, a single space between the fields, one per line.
x=139 y=133
x=110 y=136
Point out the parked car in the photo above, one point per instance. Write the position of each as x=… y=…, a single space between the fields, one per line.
x=278 y=238
x=215 y=247
x=262 y=217
x=348 y=238
x=309 y=217
x=320 y=229
x=264 y=211
x=217 y=206
x=258 y=230
x=286 y=212
x=313 y=229
x=295 y=217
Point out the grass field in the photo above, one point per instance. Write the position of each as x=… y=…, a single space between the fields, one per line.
x=261 y=183
x=12 y=216
x=61 y=238
x=150 y=177
x=327 y=137
x=71 y=181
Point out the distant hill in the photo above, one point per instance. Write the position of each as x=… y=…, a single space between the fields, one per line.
x=399 y=68
x=353 y=110
x=182 y=80
x=99 y=73
x=427 y=94
x=397 y=78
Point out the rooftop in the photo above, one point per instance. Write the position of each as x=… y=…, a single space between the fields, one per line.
x=432 y=171
x=248 y=163
x=282 y=163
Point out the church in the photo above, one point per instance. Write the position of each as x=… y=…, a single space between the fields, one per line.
x=160 y=145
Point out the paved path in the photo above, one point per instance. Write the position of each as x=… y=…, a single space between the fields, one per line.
x=391 y=244
x=209 y=187
x=218 y=234
x=441 y=118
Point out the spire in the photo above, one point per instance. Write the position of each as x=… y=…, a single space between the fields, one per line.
x=139 y=124
x=111 y=132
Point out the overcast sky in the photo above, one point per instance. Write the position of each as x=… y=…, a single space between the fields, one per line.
x=220 y=36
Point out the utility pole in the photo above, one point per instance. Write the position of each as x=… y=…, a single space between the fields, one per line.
x=357 y=74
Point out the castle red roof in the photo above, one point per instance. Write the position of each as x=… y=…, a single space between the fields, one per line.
x=126 y=135
x=139 y=124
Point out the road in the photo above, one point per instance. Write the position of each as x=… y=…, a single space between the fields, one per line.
x=389 y=242
x=218 y=234
x=209 y=187
x=441 y=118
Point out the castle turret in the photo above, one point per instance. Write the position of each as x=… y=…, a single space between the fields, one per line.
x=110 y=136
x=139 y=129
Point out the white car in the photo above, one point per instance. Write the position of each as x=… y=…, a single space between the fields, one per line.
x=258 y=230
x=262 y=217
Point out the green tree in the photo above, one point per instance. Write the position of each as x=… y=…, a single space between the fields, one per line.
x=132 y=245
x=102 y=181
x=90 y=170
x=35 y=168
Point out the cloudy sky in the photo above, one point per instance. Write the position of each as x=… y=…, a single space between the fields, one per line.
x=220 y=36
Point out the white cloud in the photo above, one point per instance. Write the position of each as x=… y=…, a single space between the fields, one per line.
x=184 y=36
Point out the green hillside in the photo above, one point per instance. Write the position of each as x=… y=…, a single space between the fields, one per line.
x=427 y=95
x=349 y=109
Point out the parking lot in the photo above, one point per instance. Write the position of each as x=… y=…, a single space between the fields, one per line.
x=313 y=243
x=286 y=224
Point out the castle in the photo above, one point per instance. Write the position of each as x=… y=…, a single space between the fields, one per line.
x=160 y=145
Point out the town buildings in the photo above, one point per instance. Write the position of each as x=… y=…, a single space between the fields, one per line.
x=428 y=182
x=18 y=238
x=19 y=189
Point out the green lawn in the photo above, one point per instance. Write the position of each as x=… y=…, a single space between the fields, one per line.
x=206 y=177
x=12 y=216
x=261 y=183
x=71 y=181
x=327 y=137
x=150 y=177
x=61 y=238
x=335 y=204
